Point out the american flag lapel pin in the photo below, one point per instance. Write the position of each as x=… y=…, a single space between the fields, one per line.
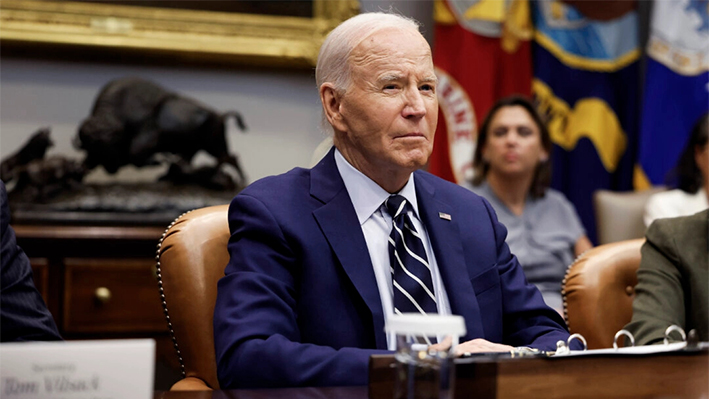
x=444 y=216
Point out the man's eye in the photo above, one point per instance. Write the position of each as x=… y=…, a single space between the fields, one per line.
x=390 y=87
x=426 y=87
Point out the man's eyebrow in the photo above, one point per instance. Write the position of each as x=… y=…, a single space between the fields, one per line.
x=394 y=77
x=390 y=77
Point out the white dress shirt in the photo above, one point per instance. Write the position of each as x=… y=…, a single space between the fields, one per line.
x=368 y=200
x=674 y=203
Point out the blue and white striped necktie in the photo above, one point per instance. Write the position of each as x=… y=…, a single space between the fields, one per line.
x=411 y=272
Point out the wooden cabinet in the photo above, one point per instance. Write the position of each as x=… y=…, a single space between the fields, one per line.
x=99 y=282
x=111 y=295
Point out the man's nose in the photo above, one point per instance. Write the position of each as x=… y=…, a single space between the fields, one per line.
x=414 y=106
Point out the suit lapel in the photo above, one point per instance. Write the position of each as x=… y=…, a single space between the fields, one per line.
x=447 y=246
x=338 y=221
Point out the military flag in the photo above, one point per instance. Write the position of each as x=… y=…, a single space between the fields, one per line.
x=482 y=53
x=676 y=86
x=586 y=83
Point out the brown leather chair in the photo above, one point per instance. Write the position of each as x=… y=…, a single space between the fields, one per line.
x=191 y=257
x=598 y=291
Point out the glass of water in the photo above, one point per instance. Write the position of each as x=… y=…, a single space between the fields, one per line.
x=421 y=371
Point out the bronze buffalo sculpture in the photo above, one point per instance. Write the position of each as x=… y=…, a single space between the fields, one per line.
x=137 y=122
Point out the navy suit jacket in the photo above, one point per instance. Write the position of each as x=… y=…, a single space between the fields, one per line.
x=299 y=303
x=23 y=313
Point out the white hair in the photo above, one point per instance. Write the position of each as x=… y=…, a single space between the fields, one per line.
x=333 y=60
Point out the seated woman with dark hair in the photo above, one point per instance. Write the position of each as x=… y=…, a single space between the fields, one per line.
x=513 y=172
x=692 y=180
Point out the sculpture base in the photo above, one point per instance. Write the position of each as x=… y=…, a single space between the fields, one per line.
x=156 y=203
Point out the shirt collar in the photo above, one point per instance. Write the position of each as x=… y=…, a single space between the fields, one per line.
x=366 y=195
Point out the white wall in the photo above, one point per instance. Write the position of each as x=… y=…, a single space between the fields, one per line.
x=280 y=107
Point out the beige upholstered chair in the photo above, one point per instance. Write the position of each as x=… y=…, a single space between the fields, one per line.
x=598 y=291
x=619 y=215
x=191 y=258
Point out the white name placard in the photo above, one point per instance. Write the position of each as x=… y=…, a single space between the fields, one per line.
x=102 y=369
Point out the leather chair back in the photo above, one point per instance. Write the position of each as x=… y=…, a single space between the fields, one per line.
x=619 y=214
x=598 y=291
x=191 y=257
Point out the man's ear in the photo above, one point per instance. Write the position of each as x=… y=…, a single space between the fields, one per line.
x=331 y=101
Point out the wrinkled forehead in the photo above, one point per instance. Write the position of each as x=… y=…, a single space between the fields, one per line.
x=391 y=44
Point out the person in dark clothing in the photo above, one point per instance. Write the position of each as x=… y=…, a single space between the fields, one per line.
x=23 y=313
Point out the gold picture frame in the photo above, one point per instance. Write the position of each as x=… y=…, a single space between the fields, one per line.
x=262 y=40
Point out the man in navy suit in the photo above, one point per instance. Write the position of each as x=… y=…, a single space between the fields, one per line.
x=308 y=288
x=23 y=314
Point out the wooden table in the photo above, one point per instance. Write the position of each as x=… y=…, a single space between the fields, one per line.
x=288 y=393
x=589 y=377
x=656 y=376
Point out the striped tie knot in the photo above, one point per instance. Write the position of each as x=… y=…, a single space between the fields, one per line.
x=396 y=205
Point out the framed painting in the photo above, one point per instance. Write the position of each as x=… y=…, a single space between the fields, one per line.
x=262 y=33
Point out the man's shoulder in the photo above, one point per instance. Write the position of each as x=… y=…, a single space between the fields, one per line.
x=452 y=192
x=679 y=227
x=279 y=189
x=682 y=239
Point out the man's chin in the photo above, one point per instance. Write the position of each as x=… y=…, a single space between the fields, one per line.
x=414 y=162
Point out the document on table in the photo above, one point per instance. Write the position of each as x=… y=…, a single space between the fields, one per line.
x=632 y=350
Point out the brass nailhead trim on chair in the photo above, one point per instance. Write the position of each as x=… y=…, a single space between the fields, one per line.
x=162 y=295
x=563 y=287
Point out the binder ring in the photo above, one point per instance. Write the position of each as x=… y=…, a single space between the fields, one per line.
x=561 y=348
x=669 y=331
x=579 y=337
x=627 y=334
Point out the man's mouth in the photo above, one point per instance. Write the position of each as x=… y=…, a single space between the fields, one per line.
x=411 y=135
